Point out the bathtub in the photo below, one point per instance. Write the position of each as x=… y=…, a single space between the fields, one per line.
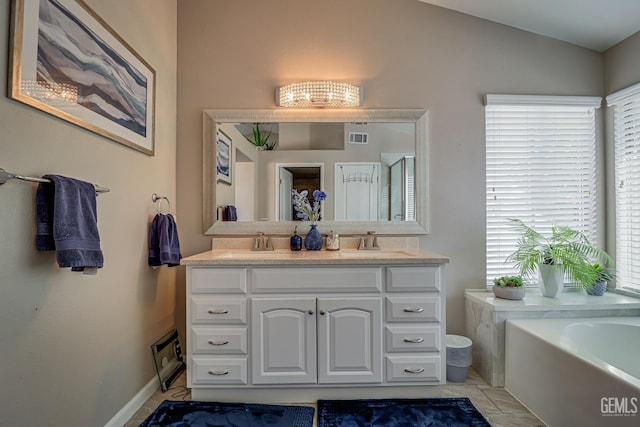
x=576 y=372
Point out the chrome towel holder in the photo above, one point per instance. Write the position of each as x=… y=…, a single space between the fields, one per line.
x=6 y=176
x=155 y=198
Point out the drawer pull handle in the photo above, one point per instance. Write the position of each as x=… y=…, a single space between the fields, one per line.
x=414 y=310
x=224 y=311
x=225 y=372
x=219 y=342
x=414 y=370
x=414 y=340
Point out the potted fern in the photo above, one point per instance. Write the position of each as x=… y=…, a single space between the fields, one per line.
x=566 y=252
x=508 y=287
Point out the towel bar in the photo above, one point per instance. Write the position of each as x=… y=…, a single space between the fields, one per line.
x=6 y=176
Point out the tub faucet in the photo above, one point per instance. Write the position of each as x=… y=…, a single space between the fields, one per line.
x=262 y=243
x=369 y=242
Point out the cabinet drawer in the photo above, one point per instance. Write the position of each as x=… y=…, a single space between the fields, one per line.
x=316 y=279
x=231 y=311
x=409 y=368
x=218 y=280
x=413 y=279
x=413 y=309
x=412 y=338
x=219 y=340
x=219 y=371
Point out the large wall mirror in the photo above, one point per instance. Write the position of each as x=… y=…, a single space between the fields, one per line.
x=373 y=165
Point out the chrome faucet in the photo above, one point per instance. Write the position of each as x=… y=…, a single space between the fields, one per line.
x=262 y=243
x=369 y=242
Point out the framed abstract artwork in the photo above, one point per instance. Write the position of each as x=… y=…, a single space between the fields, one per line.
x=66 y=61
x=223 y=158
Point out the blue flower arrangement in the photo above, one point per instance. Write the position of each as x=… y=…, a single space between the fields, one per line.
x=302 y=206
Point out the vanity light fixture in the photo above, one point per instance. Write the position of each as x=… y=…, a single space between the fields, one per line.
x=319 y=94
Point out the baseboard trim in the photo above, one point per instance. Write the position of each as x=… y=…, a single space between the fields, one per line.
x=132 y=406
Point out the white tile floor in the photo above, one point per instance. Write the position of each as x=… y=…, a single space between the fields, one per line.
x=495 y=404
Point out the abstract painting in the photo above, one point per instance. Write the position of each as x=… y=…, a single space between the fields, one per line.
x=223 y=157
x=68 y=62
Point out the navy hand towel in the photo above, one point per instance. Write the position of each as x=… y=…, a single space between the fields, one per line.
x=68 y=223
x=230 y=213
x=164 y=245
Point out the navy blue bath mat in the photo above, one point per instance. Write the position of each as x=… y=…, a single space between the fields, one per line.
x=448 y=412
x=216 y=414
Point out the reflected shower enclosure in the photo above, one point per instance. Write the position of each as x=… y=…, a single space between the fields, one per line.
x=401 y=190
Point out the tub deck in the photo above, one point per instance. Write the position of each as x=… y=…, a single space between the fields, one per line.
x=565 y=384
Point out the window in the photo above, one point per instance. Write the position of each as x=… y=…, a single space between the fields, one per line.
x=540 y=168
x=626 y=126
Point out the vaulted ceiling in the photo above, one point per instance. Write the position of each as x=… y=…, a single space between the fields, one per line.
x=594 y=24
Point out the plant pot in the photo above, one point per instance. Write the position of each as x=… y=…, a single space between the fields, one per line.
x=550 y=280
x=598 y=289
x=509 y=292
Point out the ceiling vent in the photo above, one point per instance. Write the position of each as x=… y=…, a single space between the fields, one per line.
x=358 y=138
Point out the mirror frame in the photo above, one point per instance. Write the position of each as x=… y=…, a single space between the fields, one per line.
x=211 y=118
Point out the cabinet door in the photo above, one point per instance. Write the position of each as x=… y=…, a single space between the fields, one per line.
x=283 y=340
x=349 y=340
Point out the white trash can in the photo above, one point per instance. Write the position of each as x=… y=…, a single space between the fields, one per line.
x=458 y=358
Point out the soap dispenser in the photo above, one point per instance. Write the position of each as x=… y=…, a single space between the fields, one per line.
x=296 y=240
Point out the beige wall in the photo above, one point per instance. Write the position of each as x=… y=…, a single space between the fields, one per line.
x=405 y=54
x=622 y=65
x=75 y=348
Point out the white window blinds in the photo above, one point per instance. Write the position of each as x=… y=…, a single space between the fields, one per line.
x=540 y=168
x=626 y=122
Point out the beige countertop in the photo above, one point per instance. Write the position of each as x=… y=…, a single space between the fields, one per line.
x=287 y=257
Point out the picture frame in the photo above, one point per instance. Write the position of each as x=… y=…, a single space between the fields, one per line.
x=223 y=157
x=66 y=61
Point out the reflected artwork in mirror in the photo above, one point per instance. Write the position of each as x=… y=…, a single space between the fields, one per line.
x=372 y=164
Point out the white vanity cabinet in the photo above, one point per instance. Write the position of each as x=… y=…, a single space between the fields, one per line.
x=316 y=340
x=314 y=331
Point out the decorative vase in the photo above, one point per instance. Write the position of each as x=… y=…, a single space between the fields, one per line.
x=313 y=239
x=598 y=289
x=509 y=292
x=550 y=280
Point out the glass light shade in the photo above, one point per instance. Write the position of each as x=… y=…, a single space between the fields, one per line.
x=318 y=94
x=50 y=91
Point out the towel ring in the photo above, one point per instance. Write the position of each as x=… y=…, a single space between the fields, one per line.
x=159 y=200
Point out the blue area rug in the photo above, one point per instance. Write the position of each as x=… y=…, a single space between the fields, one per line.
x=449 y=412
x=216 y=414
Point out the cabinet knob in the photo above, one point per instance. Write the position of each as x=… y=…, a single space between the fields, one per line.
x=414 y=340
x=414 y=310
x=225 y=372
x=218 y=311
x=218 y=342
x=322 y=312
x=414 y=370
x=310 y=311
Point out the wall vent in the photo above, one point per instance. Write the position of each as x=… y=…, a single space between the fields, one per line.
x=358 y=138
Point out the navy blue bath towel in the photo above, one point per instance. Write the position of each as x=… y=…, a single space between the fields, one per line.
x=164 y=245
x=67 y=222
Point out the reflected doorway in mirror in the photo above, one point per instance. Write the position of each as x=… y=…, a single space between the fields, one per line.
x=356 y=187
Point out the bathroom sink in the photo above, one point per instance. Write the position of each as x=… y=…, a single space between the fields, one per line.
x=374 y=254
